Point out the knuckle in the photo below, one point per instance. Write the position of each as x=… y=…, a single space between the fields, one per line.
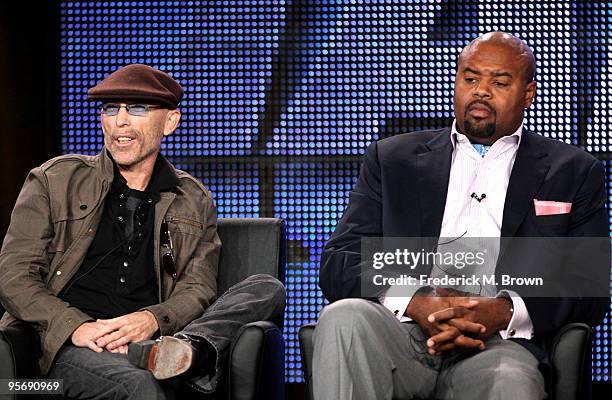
x=460 y=340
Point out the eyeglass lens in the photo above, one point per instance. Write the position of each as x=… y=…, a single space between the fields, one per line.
x=139 y=110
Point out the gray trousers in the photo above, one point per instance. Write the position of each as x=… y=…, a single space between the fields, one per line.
x=91 y=375
x=361 y=351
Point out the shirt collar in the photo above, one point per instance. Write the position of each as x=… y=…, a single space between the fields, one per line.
x=162 y=179
x=514 y=138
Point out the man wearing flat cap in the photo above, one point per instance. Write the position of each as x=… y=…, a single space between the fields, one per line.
x=105 y=253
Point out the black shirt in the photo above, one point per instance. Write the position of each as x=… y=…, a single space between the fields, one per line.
x=117 y=276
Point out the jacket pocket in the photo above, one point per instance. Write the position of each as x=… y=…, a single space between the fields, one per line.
x=552 y=220
x=185 y=225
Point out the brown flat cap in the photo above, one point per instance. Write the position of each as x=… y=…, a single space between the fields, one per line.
x=138 y=82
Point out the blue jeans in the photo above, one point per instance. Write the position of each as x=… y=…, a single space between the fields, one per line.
x=87 y=374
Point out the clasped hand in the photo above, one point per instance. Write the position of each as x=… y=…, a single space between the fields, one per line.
x=115 y=334
x=458 y=320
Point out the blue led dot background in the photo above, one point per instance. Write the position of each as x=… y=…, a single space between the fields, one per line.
x=283 y=97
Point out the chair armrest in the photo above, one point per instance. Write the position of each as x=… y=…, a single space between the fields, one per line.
x=257 y=363
x=571 y=362
x=19 y=352
x=307 y=349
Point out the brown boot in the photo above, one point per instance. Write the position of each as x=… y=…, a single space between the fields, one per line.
x=165 y=357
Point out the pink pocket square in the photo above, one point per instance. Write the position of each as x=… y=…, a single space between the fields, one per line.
x=545 y=207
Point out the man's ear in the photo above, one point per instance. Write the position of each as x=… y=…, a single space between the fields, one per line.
x=530 y=93
x=172 y=120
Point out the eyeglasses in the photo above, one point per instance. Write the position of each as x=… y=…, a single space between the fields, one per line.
x=167 y=258
x=138 y=110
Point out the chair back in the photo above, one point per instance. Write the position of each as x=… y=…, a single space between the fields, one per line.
x=250 y=246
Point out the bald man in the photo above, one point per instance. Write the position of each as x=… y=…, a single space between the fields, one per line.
x=483 y=177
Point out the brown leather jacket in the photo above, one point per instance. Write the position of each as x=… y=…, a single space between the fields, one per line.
x=54 y=222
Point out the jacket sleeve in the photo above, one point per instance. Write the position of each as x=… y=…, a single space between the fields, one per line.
x=341 y=270
x=24 y=265
x=196 y=287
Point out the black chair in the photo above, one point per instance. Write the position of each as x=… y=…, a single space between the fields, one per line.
x=569 y=353
x=257 y=361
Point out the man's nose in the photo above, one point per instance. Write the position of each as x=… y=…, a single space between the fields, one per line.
x=482 y=91
x=123 y=118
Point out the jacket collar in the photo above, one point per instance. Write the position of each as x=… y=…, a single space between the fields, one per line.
x=164 y=176
x=105 y=165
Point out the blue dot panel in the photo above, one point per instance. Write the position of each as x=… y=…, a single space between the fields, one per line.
x=311 y=197
x=283 y=97
x=220 y=51
x=235 y=186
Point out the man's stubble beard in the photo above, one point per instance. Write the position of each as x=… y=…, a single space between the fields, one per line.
x=486 y=131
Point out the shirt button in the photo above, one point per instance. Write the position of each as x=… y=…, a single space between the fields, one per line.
x=58 y=273
x=120 y=218
x=90 y=230
x=122 y=280
x=126 y=264
x=512 y=332
x=83 y=206
x=166 y=319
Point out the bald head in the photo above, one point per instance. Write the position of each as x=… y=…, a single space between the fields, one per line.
x=523 y=53
x=493 y=87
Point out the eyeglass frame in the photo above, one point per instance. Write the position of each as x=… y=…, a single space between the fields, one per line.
x=147 y=108
x=170 y=265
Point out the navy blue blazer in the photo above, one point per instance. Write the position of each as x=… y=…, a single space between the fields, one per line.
x=401 y=192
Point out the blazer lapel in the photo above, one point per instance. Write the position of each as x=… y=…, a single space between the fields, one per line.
x=530 y=168
x=433 y=167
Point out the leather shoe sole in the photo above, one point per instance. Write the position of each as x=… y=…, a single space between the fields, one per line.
x=165 y=357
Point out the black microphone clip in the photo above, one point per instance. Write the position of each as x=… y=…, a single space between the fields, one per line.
x=478 y=198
